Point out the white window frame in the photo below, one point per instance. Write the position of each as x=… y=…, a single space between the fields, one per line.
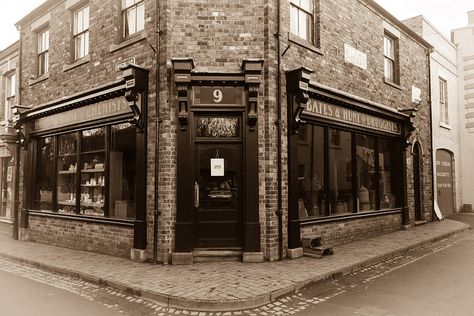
x=81 y=32
x=10 y=93
x=443 y=101
x=133 y=16
x=43 y=52
x=390 y=61
x=302 y=19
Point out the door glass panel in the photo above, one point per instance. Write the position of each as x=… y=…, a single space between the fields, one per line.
x=218 y=127
x=45 y=174
x=217 y=195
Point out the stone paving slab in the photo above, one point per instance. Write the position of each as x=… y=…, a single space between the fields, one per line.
x=224 y=286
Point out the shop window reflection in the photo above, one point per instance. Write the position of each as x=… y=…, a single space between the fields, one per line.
x=311 y=200
x=340 y=172
x=387 y=167
x=44 y=175
x=366 y=177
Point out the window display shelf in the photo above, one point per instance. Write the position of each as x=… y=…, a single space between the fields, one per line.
x=69 y=203
x=92 y=170
x=66 y=172
x=91 y=204
x=92 y=185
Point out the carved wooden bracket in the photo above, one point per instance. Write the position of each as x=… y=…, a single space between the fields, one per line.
x=297 y=82
x=253 y=77
x=411 y=136
x=182 y=76
x=136 y=82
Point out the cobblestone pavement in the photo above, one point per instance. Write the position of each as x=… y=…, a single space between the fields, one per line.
x=223 y=285
x=128 y=304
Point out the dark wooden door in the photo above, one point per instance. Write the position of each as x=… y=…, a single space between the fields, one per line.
x=417 y=181
x=218 y=195
x=444 y=180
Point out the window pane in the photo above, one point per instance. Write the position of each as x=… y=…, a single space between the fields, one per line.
x=131 y=15
x=86 y=18
x=294 y=20
x=127 y=3
x=140 y=17
x=93 y=139
x=388 y=69
x=307 y=5
x=86 y=44
x=389 y=48
x=366 y=173
x=44 y=175
x=66 y=173
x=122 y=171
x=388 y=172
x=340 y=172
x=303 y=25
x=217 y=127
x=311 y=172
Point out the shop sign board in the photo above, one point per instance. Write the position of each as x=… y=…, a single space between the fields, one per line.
x=316 y=108
x=95 y=111
x=217 y=95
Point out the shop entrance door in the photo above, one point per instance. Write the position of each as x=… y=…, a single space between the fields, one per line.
x=218 y=195
x=5 y=179
x=417 y=181
x=444 y=180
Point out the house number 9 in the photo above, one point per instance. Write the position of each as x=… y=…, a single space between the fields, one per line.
x=217 y=94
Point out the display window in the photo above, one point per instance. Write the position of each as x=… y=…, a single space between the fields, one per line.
x=344 y=172
x=88 y=172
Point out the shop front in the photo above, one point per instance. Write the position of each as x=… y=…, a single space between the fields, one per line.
x=217 y=164
x=86 y=159
x=346 y=155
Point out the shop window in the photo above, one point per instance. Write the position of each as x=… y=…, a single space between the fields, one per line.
x=122 y=172
x=311 y=199
x=366 y=173
x=45 y=174
x=302 y=19
x=340 y=172
x=391 y=58
x=133 y=13
x=443 y=102
x=43 y=52
x=93 y=167
x=81 y=33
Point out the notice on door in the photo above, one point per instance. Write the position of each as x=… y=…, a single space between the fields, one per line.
x=217 y=167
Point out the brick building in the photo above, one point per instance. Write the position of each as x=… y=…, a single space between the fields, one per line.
x=9 y=95
x=445 y=116
x=254 y=124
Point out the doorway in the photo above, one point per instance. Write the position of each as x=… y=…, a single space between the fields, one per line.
x=417 y=181
x=444 y=181
x=218 y=178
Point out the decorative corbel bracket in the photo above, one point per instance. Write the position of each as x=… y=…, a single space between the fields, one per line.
x=411 y=135
x=182 y=76
x=253 y=77
x=132 y=98
x=297 y=82
x=136 y=82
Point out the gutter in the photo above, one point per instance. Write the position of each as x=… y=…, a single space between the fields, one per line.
x=279 y=212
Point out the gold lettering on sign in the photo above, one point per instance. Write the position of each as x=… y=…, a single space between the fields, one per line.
x=103 y=109
x=340 y=114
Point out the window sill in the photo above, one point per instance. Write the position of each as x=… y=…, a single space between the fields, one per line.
x=303 y=43
x=77 y=63
x=347 y=216
x=32 y=82
x=392 y=84
x=84 y=218
x=130 y=41
x=445 y=126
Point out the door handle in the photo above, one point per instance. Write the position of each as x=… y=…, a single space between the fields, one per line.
x=196 y=194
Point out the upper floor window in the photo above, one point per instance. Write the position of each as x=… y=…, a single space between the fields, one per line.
x=443 y=101
x=390 y=58
x=81 y=33
x=302 y=19
x=10 y=86
x=133 y=12
x=43 y=52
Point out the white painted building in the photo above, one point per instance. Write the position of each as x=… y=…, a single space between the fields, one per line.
x=464 y=39
x=445 y=116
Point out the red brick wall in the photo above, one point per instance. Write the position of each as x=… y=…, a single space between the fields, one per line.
x=345 y=231
x=101 y=238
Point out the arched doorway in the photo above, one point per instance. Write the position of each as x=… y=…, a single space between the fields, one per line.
x=417 y=181
x=444 y=181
